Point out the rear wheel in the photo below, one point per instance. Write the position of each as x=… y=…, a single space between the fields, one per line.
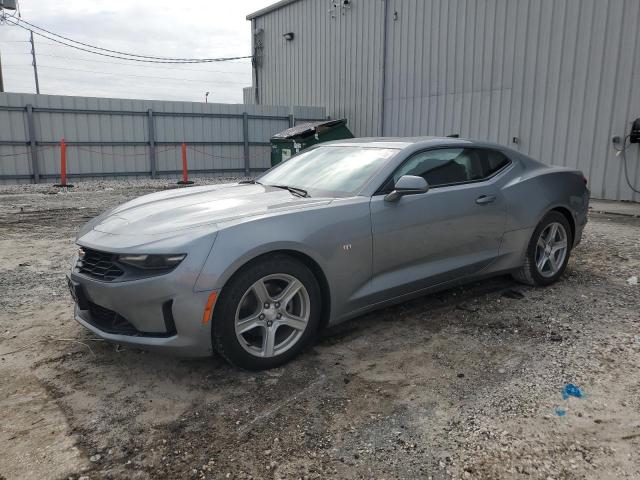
x=267 y=313
x=548 y=251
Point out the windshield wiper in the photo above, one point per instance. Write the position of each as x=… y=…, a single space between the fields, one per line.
x=294 y=190
x=249 y=181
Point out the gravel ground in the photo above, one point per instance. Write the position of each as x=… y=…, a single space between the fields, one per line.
x=463 y=384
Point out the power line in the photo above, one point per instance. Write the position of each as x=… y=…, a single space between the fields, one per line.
x=109 y=62
x=27 y=41
x=105 y=49
x=115 y=53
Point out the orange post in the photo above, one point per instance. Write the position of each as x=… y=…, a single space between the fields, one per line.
x=63 y=165
x=185 y=174
x=185 y=171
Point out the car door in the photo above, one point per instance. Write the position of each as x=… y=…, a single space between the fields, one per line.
x=452 y=231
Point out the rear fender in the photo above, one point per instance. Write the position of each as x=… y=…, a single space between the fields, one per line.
x=531 y=198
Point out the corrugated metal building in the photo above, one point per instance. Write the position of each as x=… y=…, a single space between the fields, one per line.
x=555 y=79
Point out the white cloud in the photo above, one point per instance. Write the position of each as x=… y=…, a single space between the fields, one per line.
x=199 y=28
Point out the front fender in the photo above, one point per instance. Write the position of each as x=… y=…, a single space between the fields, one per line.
x=219 y=269
x=337 y=237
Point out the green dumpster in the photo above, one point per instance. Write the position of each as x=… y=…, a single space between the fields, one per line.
x=291 y=141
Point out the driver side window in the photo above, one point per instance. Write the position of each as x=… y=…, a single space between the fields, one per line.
x=449 y=166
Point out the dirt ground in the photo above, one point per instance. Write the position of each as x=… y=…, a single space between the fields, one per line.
x=463 y=384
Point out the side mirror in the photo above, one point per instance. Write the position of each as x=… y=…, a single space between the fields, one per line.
x=407 y=185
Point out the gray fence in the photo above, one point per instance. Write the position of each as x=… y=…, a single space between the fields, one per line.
x=117 y=137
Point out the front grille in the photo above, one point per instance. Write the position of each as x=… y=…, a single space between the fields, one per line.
x=99 y=265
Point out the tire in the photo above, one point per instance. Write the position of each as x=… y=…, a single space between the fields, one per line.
x=530 y=273
x=273 y=335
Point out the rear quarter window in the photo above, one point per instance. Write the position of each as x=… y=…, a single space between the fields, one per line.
x=493 y=162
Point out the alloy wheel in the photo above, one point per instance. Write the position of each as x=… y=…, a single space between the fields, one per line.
x=551 y=249
x=272 y=315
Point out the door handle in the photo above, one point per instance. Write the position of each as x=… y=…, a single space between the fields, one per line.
x=485 y=199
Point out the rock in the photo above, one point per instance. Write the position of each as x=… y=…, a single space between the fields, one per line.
x=95 y=458
x=467 y=308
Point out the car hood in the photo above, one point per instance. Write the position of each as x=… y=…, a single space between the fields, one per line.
x=178 y=209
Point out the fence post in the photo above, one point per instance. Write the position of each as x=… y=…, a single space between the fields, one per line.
x=152 y=143
x=292 y=120
x=31 y=126
x=63 y=166
x=245 y=138
x=185 y=170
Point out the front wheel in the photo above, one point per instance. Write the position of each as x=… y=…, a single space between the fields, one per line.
x=548 y=251
x=267 y=313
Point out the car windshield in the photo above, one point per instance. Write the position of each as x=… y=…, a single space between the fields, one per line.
x=330 y=170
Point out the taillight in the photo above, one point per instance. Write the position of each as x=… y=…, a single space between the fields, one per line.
x=584 y=179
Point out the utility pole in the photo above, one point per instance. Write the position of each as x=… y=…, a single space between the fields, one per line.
x=1 y=80
x=5 y=5
x=35 y=65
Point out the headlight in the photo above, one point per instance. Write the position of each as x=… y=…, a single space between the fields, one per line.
x=152 y=262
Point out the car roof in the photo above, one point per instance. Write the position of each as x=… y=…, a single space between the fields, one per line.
x=401 y=142
x=415 y=144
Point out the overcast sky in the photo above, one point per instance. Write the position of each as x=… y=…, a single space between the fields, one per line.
x=194 y=28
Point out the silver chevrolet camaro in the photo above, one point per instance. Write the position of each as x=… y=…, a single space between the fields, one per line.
x=253 y=270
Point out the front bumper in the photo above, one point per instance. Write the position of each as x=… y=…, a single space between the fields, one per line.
x=158 y=313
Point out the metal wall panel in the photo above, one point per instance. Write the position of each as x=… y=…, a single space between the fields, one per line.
x=248 y=96
x=101 y=122
x=333 y=60
x=559 y=75
x=556 y=74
